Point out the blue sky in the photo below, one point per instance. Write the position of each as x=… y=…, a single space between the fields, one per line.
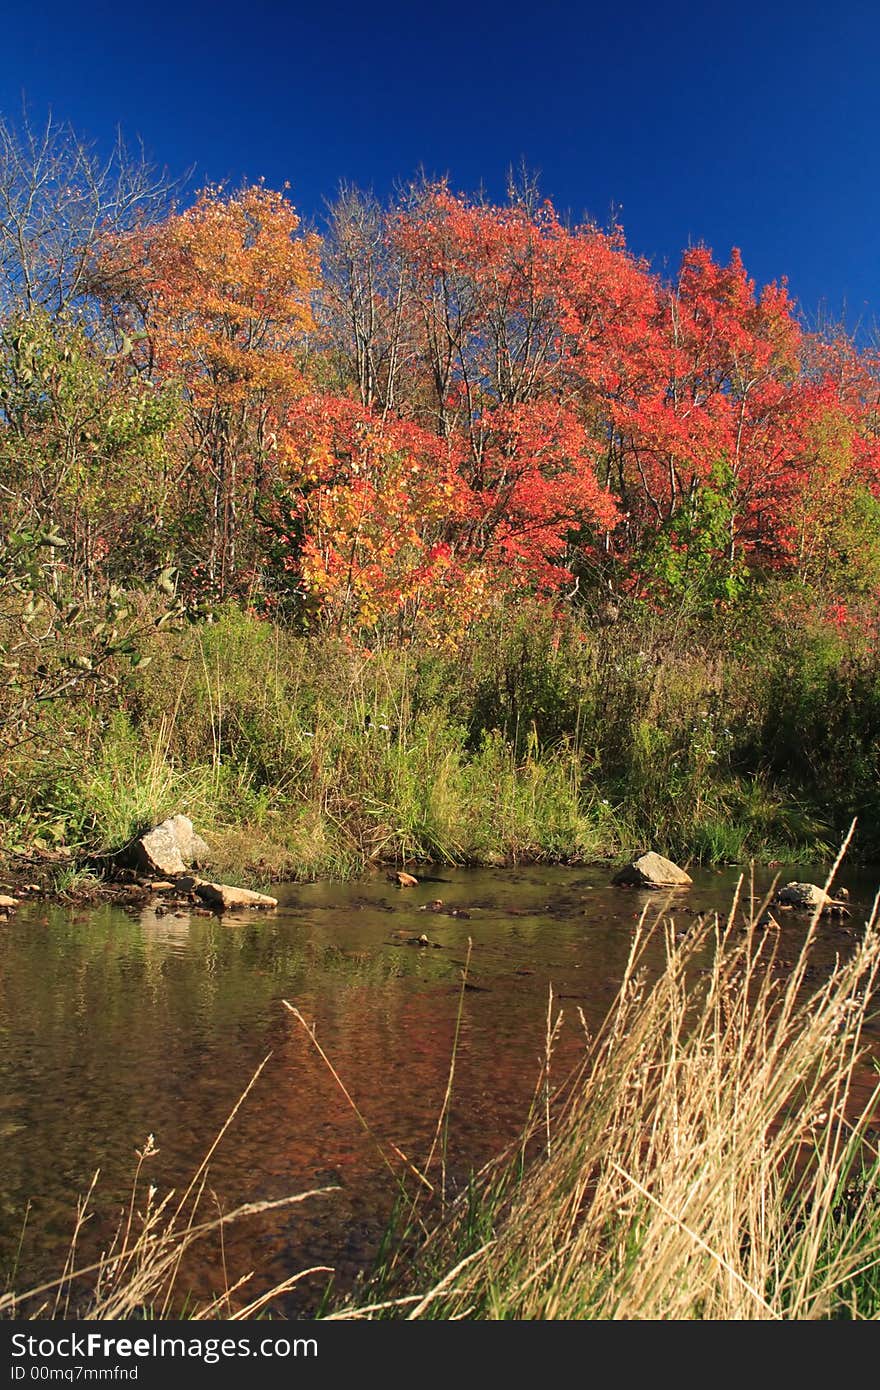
x=750 y=125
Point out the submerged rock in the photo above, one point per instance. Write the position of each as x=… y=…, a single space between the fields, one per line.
x=171 y=848
x=226 y=898
x=652 y=871
x=809 y=897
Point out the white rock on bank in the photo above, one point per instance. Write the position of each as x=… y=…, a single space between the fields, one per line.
x=171 y=848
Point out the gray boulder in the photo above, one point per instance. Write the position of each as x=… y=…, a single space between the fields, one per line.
x=652 y=871
x=170 y=848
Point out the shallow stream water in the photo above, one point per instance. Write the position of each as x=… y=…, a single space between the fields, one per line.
x=116 y=1024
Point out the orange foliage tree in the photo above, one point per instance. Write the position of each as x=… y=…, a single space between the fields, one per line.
x=224 y=293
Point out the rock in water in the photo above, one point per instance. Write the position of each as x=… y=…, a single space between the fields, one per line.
x=405 y=880
x=225 y=898
x=171 y=848
x=7 y=904
x=809 y=897
x=652 y=871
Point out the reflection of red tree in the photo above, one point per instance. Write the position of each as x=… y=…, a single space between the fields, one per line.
x=392 y=1047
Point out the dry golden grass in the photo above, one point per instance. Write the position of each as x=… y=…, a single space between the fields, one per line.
x=708 y=1160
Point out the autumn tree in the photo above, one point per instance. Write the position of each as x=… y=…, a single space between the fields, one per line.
x=715 y=427
x=382 y=513
x=478 y=346
x=835 y=521
x=455 y=318
x=219 y=298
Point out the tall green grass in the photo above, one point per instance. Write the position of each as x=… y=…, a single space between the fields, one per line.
x=539 y=738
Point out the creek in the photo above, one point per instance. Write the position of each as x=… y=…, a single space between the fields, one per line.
x=118 y=1024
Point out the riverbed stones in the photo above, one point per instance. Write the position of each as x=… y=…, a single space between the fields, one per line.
x=809 y=897
x=171 y=848
x=224 y=897
x=652 y=871
x=7 y=905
